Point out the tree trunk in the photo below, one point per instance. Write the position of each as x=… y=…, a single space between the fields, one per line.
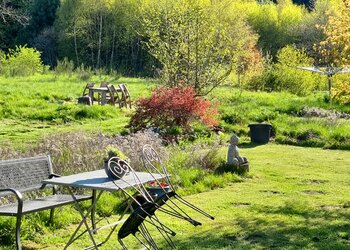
x=112 y=52
x=76 y=45
x=99 y=43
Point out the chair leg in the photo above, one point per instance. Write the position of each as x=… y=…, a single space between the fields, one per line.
x=122 y=244
x=52 y=212
x=18 y=232
x=93 y=218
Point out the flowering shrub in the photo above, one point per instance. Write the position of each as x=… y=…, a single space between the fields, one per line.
x=169 y=108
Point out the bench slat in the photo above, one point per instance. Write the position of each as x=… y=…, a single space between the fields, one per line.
x=24 y=174
x=30 y=206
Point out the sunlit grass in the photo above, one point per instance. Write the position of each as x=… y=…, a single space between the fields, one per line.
x=296 y=199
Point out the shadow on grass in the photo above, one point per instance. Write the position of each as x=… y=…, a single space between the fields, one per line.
x=313 y=229
x=250 y=145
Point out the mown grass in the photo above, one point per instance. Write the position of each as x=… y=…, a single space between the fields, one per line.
x=296 y=199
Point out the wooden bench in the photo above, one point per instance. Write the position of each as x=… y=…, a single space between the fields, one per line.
x=20 y=176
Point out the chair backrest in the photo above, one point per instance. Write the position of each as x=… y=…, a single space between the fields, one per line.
x=87 y=86
x=110 y=95
x=126 y=94
x=25 y=174
x=104 y=84
x=115 y=91
x=153 y=164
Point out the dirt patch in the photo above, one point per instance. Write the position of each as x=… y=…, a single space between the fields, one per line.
x=314 y=192
x=231 y=237
x=255 y=237
x=241 y=204
x=315 y=181
x=271 y=192
x=331 y=208
x=335 y=207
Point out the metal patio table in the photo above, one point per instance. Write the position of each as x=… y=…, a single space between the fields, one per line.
x=98 y=182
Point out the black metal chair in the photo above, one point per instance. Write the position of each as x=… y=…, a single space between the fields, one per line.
x=153 y=164
x=142 y=214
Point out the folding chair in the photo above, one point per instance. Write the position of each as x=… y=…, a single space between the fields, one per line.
x=153 y=164
x=126 y=98
x=116 y=97
x=87 y=87
x=143 y=214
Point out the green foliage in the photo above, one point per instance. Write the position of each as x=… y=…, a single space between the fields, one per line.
x=40 y=105
x=334 y=49
x=288 y=78
x=112 y=151
x=284 y=75
x=275 y=23
x=196 y=42
x=21 y=61
x=101 y=34
x=64 y=66
x=341 y=89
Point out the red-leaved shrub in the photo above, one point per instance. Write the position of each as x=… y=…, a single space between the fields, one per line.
x=167 y=108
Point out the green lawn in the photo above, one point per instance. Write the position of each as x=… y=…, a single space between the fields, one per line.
x=297 y=198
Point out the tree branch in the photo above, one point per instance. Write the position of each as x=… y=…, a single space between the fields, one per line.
x=8 y=13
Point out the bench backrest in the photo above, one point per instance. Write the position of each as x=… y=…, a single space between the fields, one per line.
x=25 y=174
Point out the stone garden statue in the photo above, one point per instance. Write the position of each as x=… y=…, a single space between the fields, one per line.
x=233 y=158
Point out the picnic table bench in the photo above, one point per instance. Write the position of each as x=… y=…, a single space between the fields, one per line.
x=20 y=176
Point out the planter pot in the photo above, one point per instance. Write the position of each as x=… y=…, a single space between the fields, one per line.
x=116 y=168
x=260 y=132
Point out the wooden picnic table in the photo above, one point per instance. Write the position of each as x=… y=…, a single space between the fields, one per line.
x=102 y=91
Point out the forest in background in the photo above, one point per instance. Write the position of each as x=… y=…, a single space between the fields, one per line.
x=201 y=43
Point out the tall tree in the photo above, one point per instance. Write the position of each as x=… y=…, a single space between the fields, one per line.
x=198 y=43
x=335 y=49
x=43 y=14
x=13 y=16
x=11 y=11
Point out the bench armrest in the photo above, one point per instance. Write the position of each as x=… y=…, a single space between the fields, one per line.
x=50 y=177
x=54 y=175
x=18 y=195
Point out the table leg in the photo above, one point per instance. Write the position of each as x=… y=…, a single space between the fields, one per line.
x=103 y=97
x=83 y=221
x=91 y=94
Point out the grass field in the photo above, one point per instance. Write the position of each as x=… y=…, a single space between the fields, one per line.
x=33 y=107
x=297 y=199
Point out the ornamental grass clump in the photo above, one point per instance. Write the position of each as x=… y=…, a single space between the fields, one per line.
x=169 y=108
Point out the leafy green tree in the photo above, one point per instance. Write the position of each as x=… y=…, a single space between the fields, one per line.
x=198 y=43
x=276 y=24
x=101 y=34
x=43 y=14
x=13 y=16
x=284 y=76
x=21 y=61
x=335 y=48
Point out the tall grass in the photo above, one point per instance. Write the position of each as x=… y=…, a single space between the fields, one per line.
x=284 y=112
x=33 y=107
